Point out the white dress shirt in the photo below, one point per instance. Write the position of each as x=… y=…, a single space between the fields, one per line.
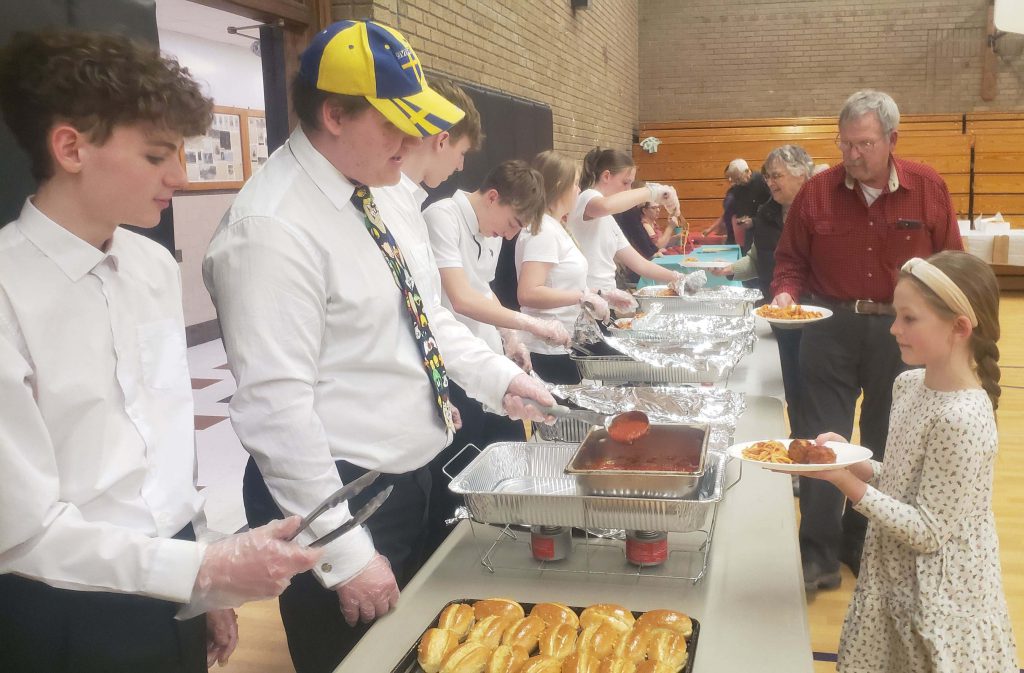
x=97 y=446
x=552 y=245
x=458 y=244
x=319 y=340
x=600 y=239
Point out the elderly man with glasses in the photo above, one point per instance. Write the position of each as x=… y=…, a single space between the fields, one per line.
x=847 y=234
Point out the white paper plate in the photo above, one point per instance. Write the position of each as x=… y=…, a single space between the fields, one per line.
x=826 y=313
x=705 y=263
x=846 y=454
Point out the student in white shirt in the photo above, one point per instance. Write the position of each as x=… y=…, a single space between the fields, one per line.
x=341 y=360
x=97 y=543
x=606 y=182
x=552 y=271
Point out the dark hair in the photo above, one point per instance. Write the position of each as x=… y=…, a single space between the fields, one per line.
x=94 y=82
x=470 y=125
x=559 y=173
x=599 y=160
x=308 y=101
x=521 y=187
x=977 y=281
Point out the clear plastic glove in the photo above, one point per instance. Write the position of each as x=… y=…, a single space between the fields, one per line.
x=370 y=594
x=515 y=349
x=522 y=387
x=664 y=196
x=598 y=306
x=221 y=636
x=689 y=283
x=620 y=300
x=249 y=567
x=552 y=331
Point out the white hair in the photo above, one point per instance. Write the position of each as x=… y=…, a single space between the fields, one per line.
x=793 y=157
x=869 y=100
x=737 y=167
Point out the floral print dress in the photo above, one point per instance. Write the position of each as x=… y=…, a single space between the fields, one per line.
x=930 y=596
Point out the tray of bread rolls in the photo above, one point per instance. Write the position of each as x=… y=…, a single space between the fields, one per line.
x=525 y=483
x=500 y=635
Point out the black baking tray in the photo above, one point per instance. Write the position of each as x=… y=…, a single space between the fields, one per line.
x=409 y=664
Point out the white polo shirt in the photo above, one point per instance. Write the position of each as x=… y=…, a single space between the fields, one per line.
x=458 y=244
x=553 y=245
x=600 y=239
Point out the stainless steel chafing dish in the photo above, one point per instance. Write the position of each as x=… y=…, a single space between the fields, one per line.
x=666 y=463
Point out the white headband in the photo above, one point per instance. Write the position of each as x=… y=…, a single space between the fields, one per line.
x=941 y=284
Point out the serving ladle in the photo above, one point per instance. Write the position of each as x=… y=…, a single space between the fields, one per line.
x=625 y=428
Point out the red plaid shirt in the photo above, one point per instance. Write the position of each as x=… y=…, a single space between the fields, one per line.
x=834 y=245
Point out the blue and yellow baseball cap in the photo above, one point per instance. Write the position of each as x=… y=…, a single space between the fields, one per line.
x=363 y=58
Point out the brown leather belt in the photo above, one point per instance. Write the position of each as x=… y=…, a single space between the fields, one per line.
x=858 y=306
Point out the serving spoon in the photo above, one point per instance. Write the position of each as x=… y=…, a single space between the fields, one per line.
x=625 y=428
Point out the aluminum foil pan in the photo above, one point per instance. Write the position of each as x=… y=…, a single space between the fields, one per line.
x=525 y=483
x=720 y=408
x=721 y=300
x=684 y=327
x=715 y=359
x=612 y=369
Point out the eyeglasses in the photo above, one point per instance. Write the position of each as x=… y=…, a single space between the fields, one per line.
x=776 y=176
x=863 y=146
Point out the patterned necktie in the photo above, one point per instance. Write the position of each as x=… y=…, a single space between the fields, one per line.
x=362 y=199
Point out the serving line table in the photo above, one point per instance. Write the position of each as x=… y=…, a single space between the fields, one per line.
x=724 y=252
x=750 y=603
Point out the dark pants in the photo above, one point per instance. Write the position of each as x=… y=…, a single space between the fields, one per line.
x=48 y=630
x=839 y=358
x=318 y=637
x=556 y=368
x=788 y=341
x=479 y=428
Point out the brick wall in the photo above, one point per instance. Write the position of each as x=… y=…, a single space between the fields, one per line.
x=584 y=65
x=706 y=59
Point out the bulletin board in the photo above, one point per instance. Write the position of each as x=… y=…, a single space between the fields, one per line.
x=227 y=154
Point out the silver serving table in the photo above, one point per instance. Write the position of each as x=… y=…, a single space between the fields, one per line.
x=751 y=602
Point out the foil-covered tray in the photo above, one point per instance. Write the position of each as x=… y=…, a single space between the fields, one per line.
x=684 y=327
x=721 y=300
x=525 y=483
x=672 y=455
x=624 y=369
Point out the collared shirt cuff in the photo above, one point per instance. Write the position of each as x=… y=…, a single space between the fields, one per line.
x=173 y=566
x=344 y=558
x=870 y=502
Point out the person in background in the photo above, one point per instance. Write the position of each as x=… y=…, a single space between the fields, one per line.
x=930 y=593
x=786 y=169
x=341 y=363
x=605 y=182
x=552 y=271
x=847 y=233
x=747 y=191
x=99 y=511
x=640 y=226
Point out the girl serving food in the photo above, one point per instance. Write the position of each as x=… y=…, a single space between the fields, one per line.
x=929 y=596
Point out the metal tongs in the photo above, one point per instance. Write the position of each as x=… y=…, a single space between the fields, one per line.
x=343 y=494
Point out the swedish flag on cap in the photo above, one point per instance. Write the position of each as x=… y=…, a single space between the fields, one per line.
x=363 y=58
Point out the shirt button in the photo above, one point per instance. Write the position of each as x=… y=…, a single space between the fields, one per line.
x=871 y=224
x=869 y=275
x=326 y=567
x=869 y=249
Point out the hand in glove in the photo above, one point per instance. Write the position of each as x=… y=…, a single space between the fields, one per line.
x=620 y=300
x=689 y=283
x=664 y=196
x=598 y=306
x=370 y=594
x=523 y=387
x=552 y=331
x=515 y=349
x=249 y=566
x=221 y=636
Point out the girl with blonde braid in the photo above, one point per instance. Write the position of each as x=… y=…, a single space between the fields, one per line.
x=929 y=596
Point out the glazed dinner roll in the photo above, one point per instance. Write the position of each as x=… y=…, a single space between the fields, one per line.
x=667 y=619
x=602 y=638
x=435 y=645
x=457 y=617
x=556 y=613
x=616 y=665
x=525 y=633
x=503 y=607
x=603 y=611
x=467 y=658
x=668 y=647
x=580 y=662
x=558 y=641
x=633 y=644
x=489 y=630
x=506 y=659
x=541 y=664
